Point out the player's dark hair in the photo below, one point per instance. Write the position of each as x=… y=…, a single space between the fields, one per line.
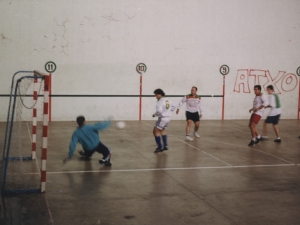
x=258 y=87
x=159 y=92
x=80 y=120
x=195 y=88
x=270 y=87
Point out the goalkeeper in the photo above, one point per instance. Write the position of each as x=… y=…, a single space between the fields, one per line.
x=87 y=135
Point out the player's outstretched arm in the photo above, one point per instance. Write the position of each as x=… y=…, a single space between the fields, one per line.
x=72 y=146
x=103 y=125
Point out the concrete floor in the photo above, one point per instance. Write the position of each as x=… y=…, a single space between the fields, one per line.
x=216 y=179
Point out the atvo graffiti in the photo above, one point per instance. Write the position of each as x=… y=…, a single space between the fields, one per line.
x=283 y=82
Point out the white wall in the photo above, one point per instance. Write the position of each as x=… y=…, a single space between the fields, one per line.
x=96 y=45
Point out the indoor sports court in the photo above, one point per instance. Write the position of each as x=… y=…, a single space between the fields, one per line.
x=216 y=179
x=120 y=80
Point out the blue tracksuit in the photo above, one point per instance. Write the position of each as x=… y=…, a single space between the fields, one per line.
x=87 y=136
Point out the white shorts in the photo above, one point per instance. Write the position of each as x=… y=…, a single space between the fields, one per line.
x=162 y=123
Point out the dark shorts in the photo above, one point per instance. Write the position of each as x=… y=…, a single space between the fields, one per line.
x=273 y=119
x=255 y=118
x=192 y=116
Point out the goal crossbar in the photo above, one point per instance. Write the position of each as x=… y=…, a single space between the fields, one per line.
x=38 y=73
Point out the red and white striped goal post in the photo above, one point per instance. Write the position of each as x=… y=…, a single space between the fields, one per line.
x=45 y=125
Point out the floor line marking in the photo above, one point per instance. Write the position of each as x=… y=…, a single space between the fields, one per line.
x=209 y=139
x=195 y=147
x=221 y=142
x=168 y=169
x=202 y=151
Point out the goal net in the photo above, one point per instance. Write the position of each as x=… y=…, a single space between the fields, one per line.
x=24 y=142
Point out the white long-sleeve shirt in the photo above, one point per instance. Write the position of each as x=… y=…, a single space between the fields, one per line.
x=164 y=107
x=193 y=104
x=258 y=101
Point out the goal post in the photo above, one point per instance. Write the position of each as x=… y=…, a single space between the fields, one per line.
x=21 y=173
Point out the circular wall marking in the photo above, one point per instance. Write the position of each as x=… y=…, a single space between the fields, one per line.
x=298 y=71
x=224 y=69
x=141 y=68
x=50 y=67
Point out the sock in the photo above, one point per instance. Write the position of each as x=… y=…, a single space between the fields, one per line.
x=164 y=137
x=253 y=139
x=278 y=138
x=106 y=155
x=157 y=139
x=258 y=137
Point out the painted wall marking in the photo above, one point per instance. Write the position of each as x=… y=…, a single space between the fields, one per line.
x=282 y=82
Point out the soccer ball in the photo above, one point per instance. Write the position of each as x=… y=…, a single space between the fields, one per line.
x=120 y=125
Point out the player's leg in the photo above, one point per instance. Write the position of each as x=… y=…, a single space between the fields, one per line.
x=86 y=154
x=106 y=152
x=276 y=128
x=197 y=124
x=187 y=129
x=253 y=134
x=265 y=131
x=189 y=122
x=253 y=139
x=266 y=127
x=253 y=130
x=258 y=137
x=164 y=139
x=164 y=133
x=256 y=119
x=252 y=125
x=156 y=132
x=188 y=126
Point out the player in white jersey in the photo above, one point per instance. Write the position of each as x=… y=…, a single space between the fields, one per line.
x=274 y=114
x=259 y=104
x=193 y=106
x=164 y=108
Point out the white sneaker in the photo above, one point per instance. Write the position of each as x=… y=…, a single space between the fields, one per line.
x=196 y=135
x=188 y=138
